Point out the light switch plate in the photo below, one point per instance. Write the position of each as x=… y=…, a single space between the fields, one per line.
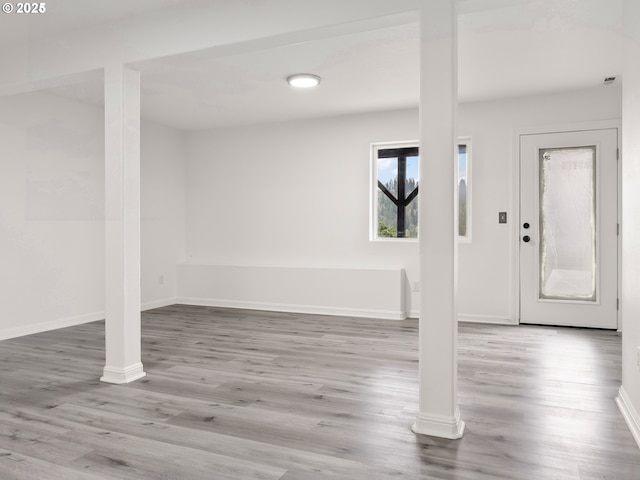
x=502 y=217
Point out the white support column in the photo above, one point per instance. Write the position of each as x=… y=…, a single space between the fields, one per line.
x=122 y=225
x=438 y=413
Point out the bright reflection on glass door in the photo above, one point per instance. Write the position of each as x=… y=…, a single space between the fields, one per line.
x=568 y=223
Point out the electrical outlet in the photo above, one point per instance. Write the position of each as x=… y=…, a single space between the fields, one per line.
x=415 y=286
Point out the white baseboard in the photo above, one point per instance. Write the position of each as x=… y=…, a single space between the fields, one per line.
x=492 y=319
x=467 y=317
x=307 y=309
x=15 y=332
x=272 y=307
x=158 y=304
x=50 y=325
x=629 y=413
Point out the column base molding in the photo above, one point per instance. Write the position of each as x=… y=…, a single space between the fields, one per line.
x=122 y=375
x=443 y=427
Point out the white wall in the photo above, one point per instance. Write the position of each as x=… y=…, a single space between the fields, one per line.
x=629 y=397
x=350 y=292
x=52 y=212
x=163 y=204
x=296 y=194
x=291 y=194
x=486 y=286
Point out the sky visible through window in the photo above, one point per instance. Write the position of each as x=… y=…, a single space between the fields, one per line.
x=462 y=165
x=388 y=169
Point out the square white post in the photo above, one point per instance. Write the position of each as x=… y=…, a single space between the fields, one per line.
x=438 y=413
x=122 y=225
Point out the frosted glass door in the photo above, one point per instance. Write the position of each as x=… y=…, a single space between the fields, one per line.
x=568 y=223
x=568 y=248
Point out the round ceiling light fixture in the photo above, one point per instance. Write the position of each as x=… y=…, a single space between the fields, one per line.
x=303 y=80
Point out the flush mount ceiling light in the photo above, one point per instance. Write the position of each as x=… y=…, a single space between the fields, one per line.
x=303 y=80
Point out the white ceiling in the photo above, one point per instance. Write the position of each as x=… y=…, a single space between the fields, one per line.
x=506 y=48
x=532 y=47
x=365 y=71
x=68 y=15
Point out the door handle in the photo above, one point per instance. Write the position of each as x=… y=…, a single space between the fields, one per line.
x=526 y=239
x=525 y=225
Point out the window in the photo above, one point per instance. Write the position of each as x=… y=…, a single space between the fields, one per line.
x=464 y=189
x=395 y=187
x=395 y=204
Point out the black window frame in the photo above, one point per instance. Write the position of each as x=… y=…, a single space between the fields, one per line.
x=403 y=200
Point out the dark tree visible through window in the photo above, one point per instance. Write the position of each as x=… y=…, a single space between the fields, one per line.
x=462 y=190
x=401 y=190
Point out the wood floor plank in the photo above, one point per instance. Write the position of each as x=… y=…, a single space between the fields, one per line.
x=238 y=394
x=232 y=446
x=139 y=458
x=15 y=466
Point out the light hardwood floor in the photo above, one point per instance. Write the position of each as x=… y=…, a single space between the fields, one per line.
x=234 y=394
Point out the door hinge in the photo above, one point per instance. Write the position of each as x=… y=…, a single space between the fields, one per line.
x=618 y=229
x=617 y=154
x=617 y=304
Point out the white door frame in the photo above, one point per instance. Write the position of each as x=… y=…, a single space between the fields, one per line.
x=515 y=205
